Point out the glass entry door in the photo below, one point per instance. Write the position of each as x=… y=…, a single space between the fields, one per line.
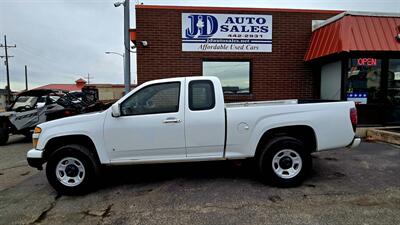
x=393 y=93
x=374 y=85
x=364 y=78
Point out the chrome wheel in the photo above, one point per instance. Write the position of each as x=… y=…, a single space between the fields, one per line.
x=70 y=171
x=287 y=163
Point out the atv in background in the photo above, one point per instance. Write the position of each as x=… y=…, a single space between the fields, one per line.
x=33 y=107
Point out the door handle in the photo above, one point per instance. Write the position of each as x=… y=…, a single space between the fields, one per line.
x=172 y=120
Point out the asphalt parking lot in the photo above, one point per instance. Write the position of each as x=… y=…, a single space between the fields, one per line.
x=360 y=186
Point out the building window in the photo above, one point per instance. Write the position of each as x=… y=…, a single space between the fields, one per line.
x=201 y=95
x=234 y=75
x=364 y=80
x=394 y=82
x=156 y=98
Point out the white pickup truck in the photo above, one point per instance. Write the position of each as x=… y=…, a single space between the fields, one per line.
x=185 y=120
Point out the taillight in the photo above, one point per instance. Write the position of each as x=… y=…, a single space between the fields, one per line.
x=353 y=118
x=67 y=113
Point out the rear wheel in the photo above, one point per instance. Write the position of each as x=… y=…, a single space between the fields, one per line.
x=4 y=134
x=284 y=162
x=72 y=170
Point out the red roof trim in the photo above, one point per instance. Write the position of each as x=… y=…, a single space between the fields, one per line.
x=352 y=33
x=80 y=80
x=65 y=87
x=237 y=9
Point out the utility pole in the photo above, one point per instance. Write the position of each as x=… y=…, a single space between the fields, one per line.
x=26 y=78
x=5 y=46
x=127 y=43
x=88 y=78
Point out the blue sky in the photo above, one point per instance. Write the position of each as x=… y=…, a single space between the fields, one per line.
x=63 y=40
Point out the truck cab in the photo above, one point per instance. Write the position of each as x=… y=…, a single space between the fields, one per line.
x=173 y=120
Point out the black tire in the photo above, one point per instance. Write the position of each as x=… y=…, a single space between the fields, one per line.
x=4 y=134
x=284 y=145
x=88 y=161
x=28 y=135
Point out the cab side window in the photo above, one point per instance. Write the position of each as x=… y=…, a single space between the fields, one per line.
x=201 y=95
x=153 y=99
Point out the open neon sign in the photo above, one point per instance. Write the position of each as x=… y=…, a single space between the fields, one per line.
x=366 y=61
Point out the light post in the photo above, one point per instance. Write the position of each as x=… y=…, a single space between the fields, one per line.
x=123 y=59
x=126 y=56
x=116 y=53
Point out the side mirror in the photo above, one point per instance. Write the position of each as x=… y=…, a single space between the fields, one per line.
x=115 y=110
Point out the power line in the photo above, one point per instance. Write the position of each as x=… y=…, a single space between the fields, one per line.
x=42 y=61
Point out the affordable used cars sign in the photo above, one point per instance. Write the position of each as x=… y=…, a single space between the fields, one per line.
x=202 y=32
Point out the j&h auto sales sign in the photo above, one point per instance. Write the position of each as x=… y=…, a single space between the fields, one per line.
x=202 y=32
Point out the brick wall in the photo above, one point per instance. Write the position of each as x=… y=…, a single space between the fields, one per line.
x=280 y=74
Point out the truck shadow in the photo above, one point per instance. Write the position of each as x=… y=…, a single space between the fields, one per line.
x=137 y=174
x=243 y=171
x=18 y=139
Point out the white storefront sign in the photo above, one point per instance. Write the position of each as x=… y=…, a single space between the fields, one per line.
x=203 y=32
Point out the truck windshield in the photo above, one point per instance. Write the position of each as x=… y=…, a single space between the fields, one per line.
x=25 y=102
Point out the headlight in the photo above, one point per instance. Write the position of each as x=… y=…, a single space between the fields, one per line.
x=37 y=130
x=35 y=136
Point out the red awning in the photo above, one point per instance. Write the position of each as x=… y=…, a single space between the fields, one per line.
x=351 y=31
x=132 y=33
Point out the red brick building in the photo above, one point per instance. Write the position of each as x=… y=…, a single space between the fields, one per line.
x=279 y=74
x=264 y=54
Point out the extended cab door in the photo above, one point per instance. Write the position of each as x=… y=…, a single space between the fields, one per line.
x=204 y=117
x=151 y=124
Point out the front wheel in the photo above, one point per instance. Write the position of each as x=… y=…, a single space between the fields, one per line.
x=284 y=162
x=72 y=170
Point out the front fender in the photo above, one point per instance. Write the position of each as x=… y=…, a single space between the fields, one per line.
x=90 y=126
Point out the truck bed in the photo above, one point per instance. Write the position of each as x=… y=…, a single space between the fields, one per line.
x=330 y=121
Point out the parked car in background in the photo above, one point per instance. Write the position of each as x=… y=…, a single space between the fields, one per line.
x=33 y=107
x=185 y=120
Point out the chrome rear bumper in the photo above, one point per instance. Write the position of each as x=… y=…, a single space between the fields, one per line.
x=355 y=143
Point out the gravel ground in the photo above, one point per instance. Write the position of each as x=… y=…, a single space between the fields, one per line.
x=360 y=186
x=13 y=165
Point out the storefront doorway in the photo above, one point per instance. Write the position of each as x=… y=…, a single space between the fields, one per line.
x=360 y=60
x=374 y=85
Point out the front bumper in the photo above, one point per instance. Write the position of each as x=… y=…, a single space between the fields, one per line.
x=355 y=143
x=35 y=158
